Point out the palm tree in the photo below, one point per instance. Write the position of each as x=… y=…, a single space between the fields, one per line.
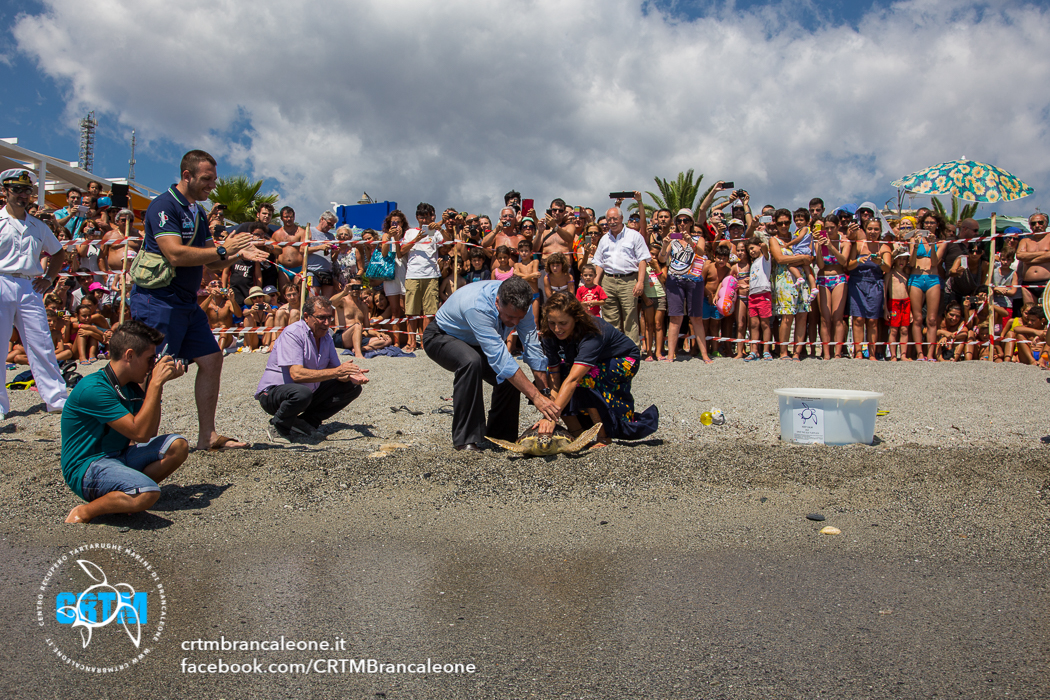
x=957 y=215
x=241 y=197
x=682 y=193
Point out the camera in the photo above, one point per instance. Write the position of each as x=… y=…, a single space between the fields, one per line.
x=356 y=287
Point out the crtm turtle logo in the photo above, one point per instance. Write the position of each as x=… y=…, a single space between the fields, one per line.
x=807 y=414
x=123 y=609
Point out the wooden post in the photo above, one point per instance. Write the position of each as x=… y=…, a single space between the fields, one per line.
x=991 y=291
x=303 y=287
x=124 y=270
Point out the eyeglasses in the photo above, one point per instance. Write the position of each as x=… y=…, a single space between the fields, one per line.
x=324 y=318
x=20 y=189
x=683 y=220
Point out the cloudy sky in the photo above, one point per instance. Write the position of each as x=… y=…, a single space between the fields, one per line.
x=457 y=102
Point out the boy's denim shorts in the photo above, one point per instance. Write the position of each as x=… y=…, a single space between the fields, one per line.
x=122 y=471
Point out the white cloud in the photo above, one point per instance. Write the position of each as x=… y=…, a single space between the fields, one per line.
x=455 y=103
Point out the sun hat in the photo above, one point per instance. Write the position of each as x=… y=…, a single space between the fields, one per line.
x=685 y=212
x=256 y=292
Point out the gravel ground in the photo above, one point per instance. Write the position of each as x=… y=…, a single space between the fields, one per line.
x=942 y=405
x=681 y=566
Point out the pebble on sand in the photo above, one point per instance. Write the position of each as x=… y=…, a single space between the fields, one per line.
x=829 y=530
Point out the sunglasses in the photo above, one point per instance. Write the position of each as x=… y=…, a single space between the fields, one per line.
x=682 y=220
x=20 y=189
x=324 y=318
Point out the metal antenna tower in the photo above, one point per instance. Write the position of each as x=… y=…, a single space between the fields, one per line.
x=87 y=141
x=131 y=163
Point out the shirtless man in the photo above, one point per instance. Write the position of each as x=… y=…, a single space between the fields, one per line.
x=219 y=307
x=506 y=232
x=557 y=233
x=116 y=251
x=290 y=257
x=353 y=313
x=1034 y=253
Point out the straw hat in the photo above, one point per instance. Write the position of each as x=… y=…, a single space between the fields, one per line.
x=256 y=292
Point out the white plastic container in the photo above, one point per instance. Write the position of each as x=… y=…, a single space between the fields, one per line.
x=828 y=416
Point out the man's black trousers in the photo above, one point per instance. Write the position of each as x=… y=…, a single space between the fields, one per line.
x=290 y=401
x=471 y=368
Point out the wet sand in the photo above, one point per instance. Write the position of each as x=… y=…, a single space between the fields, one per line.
x=682 y=566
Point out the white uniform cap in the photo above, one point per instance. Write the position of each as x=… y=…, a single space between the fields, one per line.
x=18 y=176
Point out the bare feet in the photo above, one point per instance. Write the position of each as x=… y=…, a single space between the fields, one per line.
x=76 y=517
x=222 y=442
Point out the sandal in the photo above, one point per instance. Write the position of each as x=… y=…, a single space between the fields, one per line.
x=767 y=356
x=750 y=357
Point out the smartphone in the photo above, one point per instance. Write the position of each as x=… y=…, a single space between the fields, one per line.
x=964 y=262
x=587 y=239
x=765 y=219
x=82 y=210
x=621 y=195
x=728 y=185
x=675 y=235
x=527 y=204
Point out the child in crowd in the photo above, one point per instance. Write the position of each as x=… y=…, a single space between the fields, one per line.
x=255 y=314
x=558 y=277
x=654 y=306
x=590 y=294
x=715 y=270
x=479 y=270
x=760 y=299
x=449 y=282
x=952 y=334
x=1024 y=336
x=220 y=309
x=741 y=269
x=288 y=312
x=802 y=244
x=63 y=348
x=503 y=269
x=529 y=270
x=897 y=310
x=89 y=335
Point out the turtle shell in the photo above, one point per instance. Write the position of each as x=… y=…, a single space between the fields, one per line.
x=561 y=440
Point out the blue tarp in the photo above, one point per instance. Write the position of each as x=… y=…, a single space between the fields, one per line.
x=365 y=215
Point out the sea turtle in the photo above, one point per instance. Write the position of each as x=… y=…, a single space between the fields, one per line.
x=561 y=440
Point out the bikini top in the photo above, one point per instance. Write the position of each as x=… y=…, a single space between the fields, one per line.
x=829 y=257
x=921 y=251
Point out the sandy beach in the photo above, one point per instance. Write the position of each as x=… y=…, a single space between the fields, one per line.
x=680 y=566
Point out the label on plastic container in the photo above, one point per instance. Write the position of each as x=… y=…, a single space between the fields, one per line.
x=807 y=420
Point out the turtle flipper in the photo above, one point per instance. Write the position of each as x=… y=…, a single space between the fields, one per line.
x=512 y=446
x=586 y=436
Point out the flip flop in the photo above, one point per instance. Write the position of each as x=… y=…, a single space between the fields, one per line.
x=223 y=443
x=407 y=410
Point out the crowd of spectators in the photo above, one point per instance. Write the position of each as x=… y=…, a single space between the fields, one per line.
x=720 y=282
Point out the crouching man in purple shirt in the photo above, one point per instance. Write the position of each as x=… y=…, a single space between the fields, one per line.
x=304 y=382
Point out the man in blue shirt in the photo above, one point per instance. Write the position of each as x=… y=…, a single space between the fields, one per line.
x=468 y=336
x=177 y=228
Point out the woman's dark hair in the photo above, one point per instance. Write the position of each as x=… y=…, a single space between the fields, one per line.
x=941 y=225
x=396 y=214
x=831 y=219
x=953 y=306
x=585 y=324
